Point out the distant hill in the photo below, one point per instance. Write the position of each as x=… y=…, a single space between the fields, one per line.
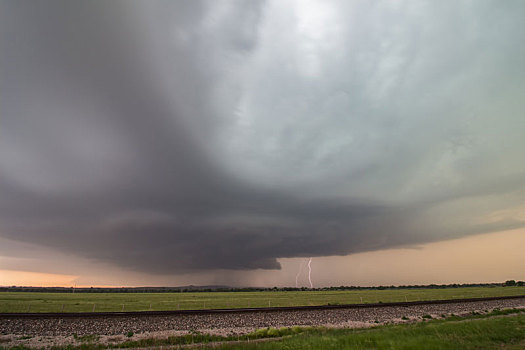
x=220 y=288
x=190 y=288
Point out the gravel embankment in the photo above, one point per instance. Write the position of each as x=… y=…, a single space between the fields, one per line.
x=229 y=323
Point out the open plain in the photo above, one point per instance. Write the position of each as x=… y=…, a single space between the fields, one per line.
x=52 y=331
x=117 y=302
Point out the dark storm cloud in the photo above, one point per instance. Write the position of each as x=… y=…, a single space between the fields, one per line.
x=175 y=136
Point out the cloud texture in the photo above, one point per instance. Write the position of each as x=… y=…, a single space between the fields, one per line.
x=170 y=137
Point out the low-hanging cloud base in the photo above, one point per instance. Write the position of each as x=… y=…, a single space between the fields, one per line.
x=169 y=137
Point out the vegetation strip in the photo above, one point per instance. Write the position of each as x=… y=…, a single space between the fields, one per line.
x=284 y=308
x=475 y=332
x=462 y=329
x=29 y=302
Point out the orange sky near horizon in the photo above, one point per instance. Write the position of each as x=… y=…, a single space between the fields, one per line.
x=493 y=257
x=37 y=279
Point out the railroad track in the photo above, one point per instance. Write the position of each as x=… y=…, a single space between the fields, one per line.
x=244 y=310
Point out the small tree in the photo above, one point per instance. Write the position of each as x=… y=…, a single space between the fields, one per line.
x=510 y=283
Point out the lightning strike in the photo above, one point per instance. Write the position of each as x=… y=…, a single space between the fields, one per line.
x=298 y=273
x=310 y=272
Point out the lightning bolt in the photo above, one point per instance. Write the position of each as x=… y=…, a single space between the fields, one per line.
x=310 y=272
x=298 y=273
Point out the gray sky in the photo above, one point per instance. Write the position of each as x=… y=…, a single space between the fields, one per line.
x=170 y=137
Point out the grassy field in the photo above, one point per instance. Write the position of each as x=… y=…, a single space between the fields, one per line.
x=503 y=332
x=503 y=329
x=89 y=302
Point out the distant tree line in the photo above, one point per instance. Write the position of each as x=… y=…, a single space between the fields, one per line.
x=512 y=283
x=509 y=283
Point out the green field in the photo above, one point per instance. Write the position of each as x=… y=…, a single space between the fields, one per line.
x=503 y=332
x=499 y=329
x=89 y=302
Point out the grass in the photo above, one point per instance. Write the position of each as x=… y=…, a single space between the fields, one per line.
x=86 y=338
x=87 y=302
x=474 y=332
x=503 y=329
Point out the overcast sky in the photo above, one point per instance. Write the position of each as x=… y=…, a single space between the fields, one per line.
x=178 y=138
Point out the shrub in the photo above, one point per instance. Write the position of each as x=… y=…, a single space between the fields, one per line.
x=297 y=329
x=261 y=333
x=273 y=332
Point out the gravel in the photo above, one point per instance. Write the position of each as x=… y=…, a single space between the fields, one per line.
x=241 y=322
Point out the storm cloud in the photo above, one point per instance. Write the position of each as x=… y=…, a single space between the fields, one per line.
x=171 y=136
